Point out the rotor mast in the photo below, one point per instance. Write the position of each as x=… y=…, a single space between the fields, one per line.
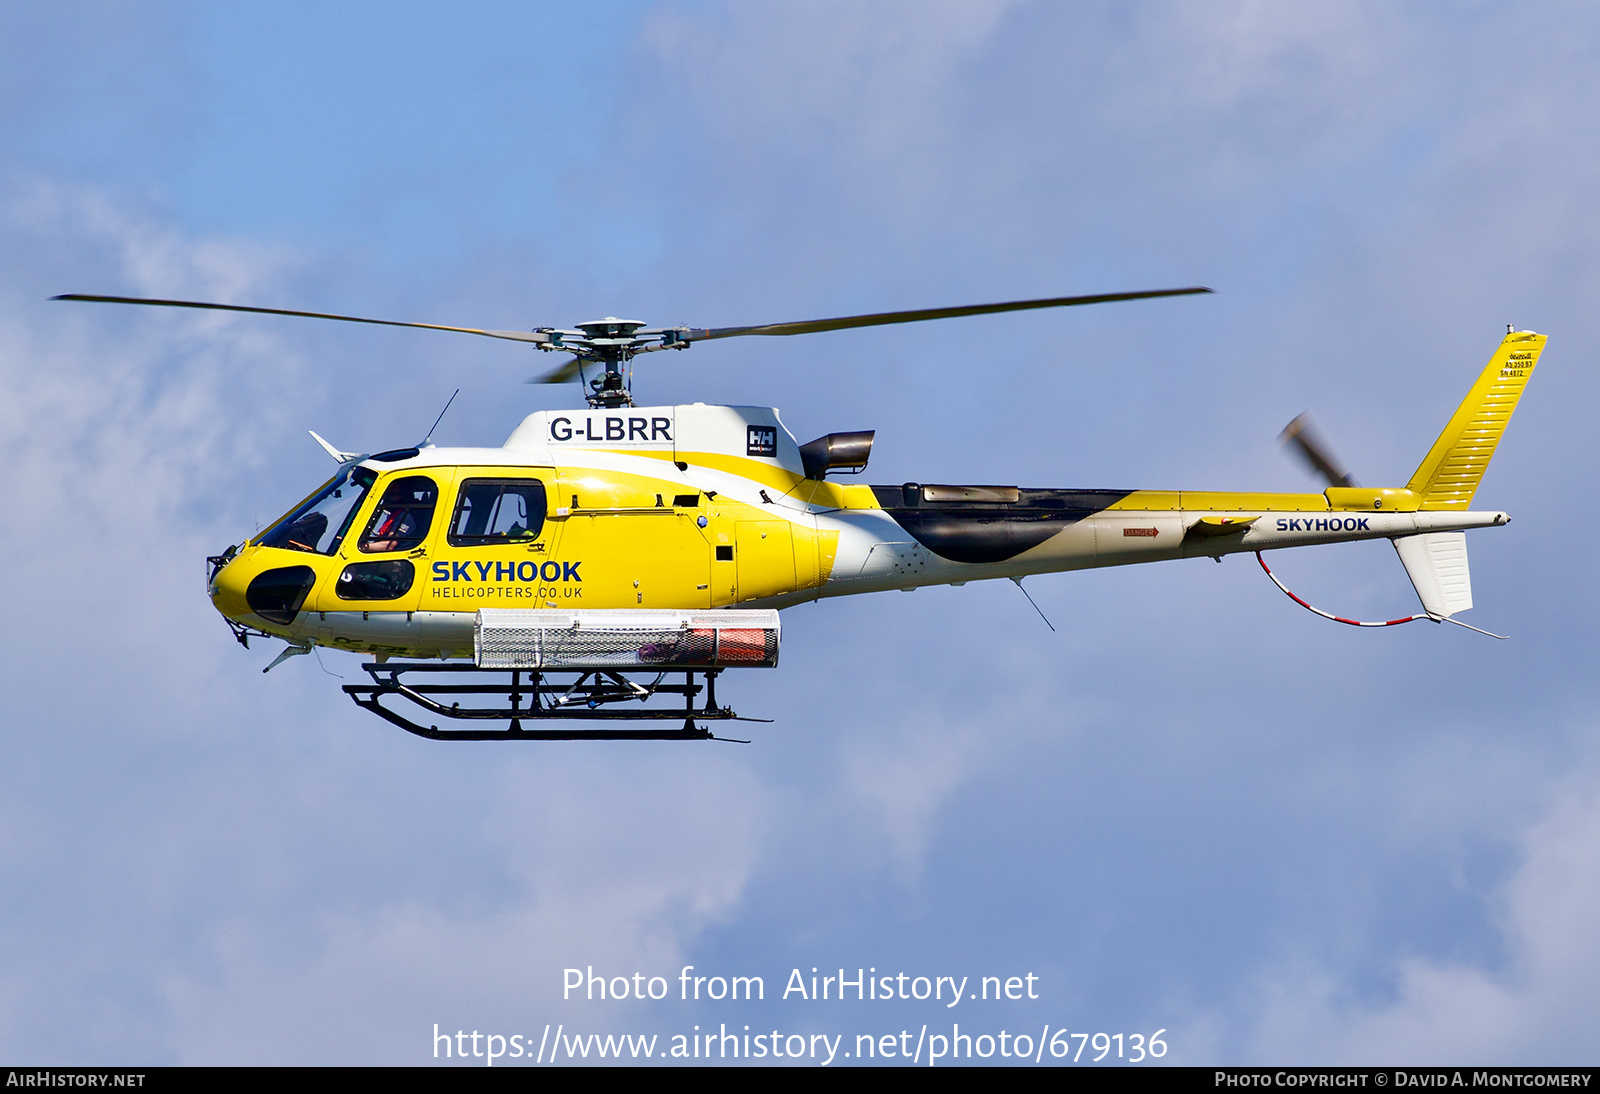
x=611 y=343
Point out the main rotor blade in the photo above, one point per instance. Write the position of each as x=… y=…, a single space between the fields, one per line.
x=812 y=326
x=1303 y=436
x=510 y=335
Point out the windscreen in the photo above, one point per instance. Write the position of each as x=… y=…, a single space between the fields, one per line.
x=320 y=523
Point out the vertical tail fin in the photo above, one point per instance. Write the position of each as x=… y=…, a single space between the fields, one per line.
x=1449 y=475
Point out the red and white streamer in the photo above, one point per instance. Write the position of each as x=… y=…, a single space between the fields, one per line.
x=1340 y=618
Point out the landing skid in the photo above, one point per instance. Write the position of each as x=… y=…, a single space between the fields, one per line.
x=533 y=696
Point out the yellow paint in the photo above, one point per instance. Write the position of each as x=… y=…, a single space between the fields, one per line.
x=859 y=497
x=807 y=556
x=629 y=551
x=489 y=569
x=833 y=495
x=764 y=552
x=765 y=474
x=1386 y=499
x=251 y=561
x=1252 y=502
x=325 y=595
x=1448 y=476
x=823 y=494
x=1215 y=526
x=613 y=539
x=1151 y=501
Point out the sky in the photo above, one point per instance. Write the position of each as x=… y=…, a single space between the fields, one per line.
x=1192 y=808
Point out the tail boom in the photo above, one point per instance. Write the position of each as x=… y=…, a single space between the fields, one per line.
x=877 y=552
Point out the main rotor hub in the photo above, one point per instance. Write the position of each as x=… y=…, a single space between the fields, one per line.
x=611 y=342
x=610 y=327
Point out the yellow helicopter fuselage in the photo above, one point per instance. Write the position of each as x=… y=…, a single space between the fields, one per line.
x=700 y=507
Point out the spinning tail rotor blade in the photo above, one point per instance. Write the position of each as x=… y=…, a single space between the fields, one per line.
x=510 y=335
x=1307 y=441
x=567 y=371
x=812 y=326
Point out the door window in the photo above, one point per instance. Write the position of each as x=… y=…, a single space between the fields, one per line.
x=498 y=511
x=388 y=580
x=403 y=516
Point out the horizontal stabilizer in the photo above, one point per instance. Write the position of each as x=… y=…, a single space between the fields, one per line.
x=1436 y=562
x=1213 y=527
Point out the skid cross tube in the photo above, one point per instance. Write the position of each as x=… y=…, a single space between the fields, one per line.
x=529 y=695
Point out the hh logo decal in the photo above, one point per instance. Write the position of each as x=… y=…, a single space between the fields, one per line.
x=762 y=441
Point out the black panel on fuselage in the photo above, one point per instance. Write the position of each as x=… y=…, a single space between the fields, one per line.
x=984 y=532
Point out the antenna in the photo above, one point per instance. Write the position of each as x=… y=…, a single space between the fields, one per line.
x=1036 y=607
x=437 y=420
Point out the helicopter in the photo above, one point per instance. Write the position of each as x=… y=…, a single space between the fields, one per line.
x=605 y=565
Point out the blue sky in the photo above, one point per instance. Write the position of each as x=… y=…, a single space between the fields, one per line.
x=1194 y=807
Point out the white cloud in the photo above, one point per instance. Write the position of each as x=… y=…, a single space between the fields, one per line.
x=607 y=863
x=222 y=866
x=292 y=880
x=1538 y=1004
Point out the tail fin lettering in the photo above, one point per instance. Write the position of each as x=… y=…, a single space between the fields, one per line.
x=1448 y=476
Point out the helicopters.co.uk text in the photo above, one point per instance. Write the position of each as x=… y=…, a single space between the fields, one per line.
x=928 y=1045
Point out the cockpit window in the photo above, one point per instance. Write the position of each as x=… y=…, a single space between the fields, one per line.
x=403 y=516
x=320 y=523
x=498 y=511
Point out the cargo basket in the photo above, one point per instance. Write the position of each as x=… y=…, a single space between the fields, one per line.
x=624 y=639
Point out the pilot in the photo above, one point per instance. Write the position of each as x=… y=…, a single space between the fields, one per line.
x=397 y=530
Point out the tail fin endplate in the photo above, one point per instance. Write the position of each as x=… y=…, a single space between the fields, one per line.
x=1449 y=475
x=1436 y=562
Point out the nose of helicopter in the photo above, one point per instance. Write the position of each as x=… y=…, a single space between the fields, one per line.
x=227 y=584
